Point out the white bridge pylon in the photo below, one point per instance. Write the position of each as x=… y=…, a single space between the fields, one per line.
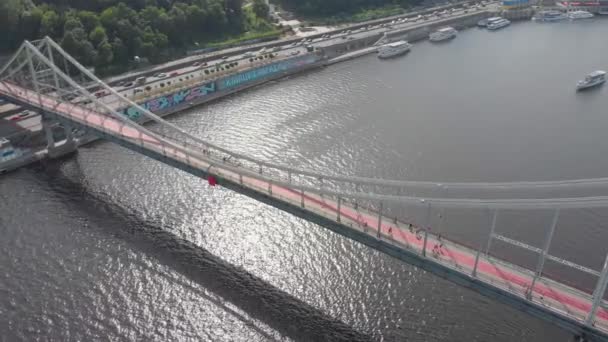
x=43 y=76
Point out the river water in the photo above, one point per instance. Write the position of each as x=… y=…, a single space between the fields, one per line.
x=109 y=245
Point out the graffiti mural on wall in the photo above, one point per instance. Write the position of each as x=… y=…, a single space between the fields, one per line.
x=165 y=102
x=264 y=71
x=168 y=101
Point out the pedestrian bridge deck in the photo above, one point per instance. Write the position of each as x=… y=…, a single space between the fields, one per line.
x=511 y=284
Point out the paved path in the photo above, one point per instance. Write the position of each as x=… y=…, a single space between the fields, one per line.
x=549 y=293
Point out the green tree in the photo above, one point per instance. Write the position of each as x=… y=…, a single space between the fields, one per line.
x=119 y=51
x=89 y=20
x=29 y=25
x=105 y=54
x=152 y=44
x=9 y=19
x=108 y=33
x=72 y=23
x=75 y=42
x=98 y=35
x=51 y=24
x=260 y=8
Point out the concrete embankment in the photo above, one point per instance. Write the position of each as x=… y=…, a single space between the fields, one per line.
x=208 y=90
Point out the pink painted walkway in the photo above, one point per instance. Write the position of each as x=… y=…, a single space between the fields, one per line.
x=548 y=293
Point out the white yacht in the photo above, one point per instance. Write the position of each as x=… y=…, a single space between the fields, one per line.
x=574 y=15
x=593 y=79
x=486 y=21
x=495 y=25
x=603 y=12
x=551 y=15
x=443 y=34
x=394 y=49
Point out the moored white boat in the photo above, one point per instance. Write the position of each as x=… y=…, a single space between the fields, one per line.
x=498 y=24
x=575 y=15
x=488 y=21
x=549 y=16
x=482 y=23
x=7 y=151
x=591 y=80
x=394 y=49
x=442 y=34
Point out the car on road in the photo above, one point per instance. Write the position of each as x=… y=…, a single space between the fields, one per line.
x=161 y=75
x=100 y=93
x=173 y=74
x=295 y=53
x=276 y=49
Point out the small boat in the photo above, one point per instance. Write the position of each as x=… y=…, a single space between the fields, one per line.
x=442 y=34
x=394 y=49
x=482 y=23
x=593 y=79
x=486 y=21
x=548 y=16
x=603 y=12
x=498 y=24
x=574 y=15
x=7 y=151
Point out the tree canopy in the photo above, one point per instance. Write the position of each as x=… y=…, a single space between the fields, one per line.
x=105 y=33
x=334 y=7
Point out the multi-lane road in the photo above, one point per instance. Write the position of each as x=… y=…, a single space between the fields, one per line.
x=196 y=70
x=235 y=51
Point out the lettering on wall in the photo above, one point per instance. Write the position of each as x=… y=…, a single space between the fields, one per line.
x=168 y=101
x=165 y=102
x=264 y=72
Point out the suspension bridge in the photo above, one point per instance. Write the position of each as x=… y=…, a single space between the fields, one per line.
x=41 y=76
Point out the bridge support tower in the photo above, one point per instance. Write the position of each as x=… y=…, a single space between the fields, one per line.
x=61 y=148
